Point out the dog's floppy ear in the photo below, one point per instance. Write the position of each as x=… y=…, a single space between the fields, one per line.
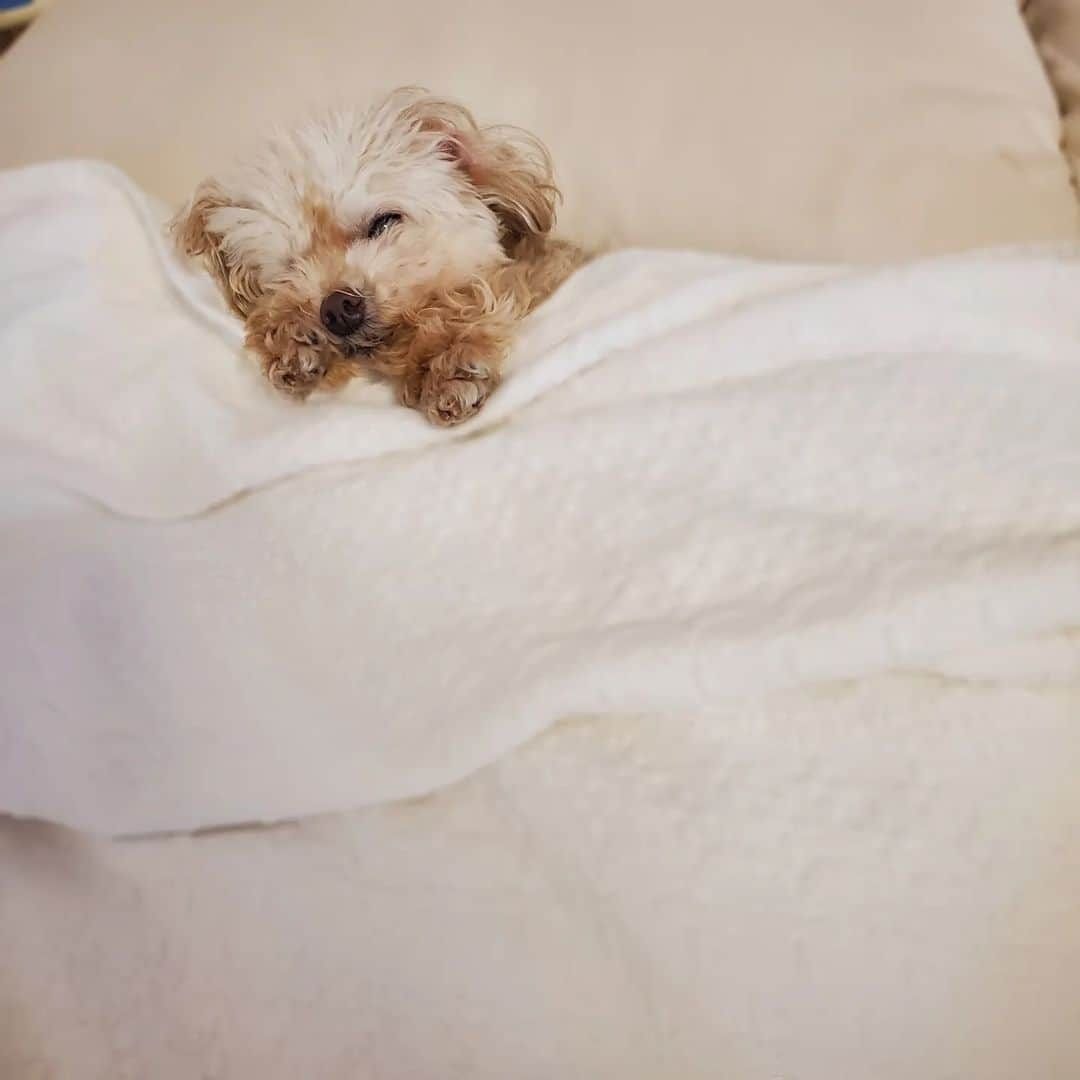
x=195 y=235
x=509 y=168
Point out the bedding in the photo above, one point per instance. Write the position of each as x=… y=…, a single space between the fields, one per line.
x=909 y=127
x=703 y=478
x=878 y=878
x=814 y=877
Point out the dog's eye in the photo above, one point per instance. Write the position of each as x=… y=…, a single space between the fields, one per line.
x=381 y=223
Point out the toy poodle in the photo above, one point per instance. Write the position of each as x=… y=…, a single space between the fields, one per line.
x=404 y=241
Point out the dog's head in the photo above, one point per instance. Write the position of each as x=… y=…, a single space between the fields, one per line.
x=332 y=234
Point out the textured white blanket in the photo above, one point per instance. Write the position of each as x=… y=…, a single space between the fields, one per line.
x=705 y=479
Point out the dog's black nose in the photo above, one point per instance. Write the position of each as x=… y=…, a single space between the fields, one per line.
x=342 y=313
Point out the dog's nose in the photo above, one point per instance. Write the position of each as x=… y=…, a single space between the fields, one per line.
x=342 y=313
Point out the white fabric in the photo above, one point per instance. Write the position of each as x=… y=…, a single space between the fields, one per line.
x=878 y=880
x=705 y=479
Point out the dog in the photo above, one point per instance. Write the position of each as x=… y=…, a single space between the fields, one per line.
x=404 y=241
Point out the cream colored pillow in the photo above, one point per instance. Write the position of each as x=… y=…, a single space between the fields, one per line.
x=839 y=128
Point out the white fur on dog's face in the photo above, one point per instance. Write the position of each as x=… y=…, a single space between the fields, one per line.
x=298 y=215
x=294 y=225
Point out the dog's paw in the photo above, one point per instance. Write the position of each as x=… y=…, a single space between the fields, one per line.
x=411 y=389
x=446 y=401
x=298 y=370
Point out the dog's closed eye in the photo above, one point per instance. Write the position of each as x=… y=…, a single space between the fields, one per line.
x=381 y=223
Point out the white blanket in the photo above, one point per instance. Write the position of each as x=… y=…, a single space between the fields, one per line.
x=705 y=479
x=875 y=881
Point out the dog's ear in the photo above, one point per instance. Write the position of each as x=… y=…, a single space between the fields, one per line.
x=509 y=168
x=194 y=231
x=511 y=171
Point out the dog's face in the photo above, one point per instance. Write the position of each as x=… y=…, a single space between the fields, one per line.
x=331 y=238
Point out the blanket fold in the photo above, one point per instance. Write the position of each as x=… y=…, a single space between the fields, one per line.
x=704 y=479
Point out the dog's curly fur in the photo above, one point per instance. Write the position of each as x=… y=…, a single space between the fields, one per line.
x=462 y=251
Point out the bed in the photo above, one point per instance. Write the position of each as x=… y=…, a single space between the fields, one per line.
x=778 y=775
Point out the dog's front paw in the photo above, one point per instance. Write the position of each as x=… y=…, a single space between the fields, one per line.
x=448 y=400
x=298 y=370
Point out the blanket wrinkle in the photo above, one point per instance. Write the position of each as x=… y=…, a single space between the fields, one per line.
x=705 y=480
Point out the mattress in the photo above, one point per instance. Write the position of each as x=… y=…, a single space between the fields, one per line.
x=862 y=871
